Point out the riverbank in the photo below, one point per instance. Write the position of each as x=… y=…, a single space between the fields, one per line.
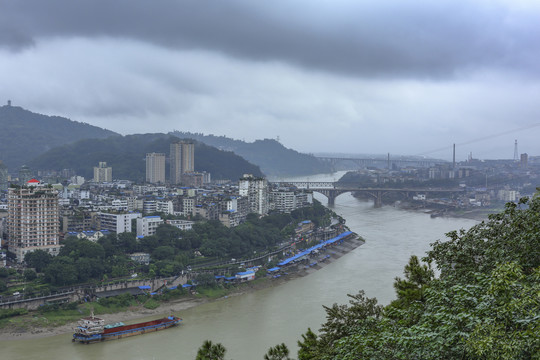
x=30 y=330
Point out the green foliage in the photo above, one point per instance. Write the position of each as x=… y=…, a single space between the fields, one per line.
x=7 y=313
x=38 y=259
x=125 y=153
x=30 y=275
x=484 y=305
x=278 y=352
x=151 y=304
x=25 y=134
x=210 y=351
x=3 y=286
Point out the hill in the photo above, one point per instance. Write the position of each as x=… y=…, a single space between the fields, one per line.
x=126 y=155
x=24 y=134
x=273 y=158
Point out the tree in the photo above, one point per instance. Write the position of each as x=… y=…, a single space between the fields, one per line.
x=210 y=351
x=278 y=352
x=38 y=259
x=484 y=304
x=29 y=275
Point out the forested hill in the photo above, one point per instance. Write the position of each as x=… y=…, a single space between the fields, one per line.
x=273 y=158
x=24 y=134
x=126 y=155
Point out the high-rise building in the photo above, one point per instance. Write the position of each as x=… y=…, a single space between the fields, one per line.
x=155 y=168
x=33 y=219
x=3 y=176
x=188 y=156
x=102 y=173
x=182 y=155
x=25 y=174
x=256 y=190
x=176 y=163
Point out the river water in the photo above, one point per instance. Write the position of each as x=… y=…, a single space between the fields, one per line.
x=247 y=325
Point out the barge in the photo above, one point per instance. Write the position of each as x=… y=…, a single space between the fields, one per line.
x=93 y=329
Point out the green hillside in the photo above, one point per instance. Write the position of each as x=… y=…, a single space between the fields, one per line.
x=24 y=134
x=126 y=155
x=273 y=158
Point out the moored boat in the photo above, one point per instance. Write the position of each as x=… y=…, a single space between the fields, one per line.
x=93 y=329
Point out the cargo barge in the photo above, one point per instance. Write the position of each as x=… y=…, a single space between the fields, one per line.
x=93 y=329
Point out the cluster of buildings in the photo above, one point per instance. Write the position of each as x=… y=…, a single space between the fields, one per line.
x=38 y=215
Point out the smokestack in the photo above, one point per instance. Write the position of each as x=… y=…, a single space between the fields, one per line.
x=454 y=158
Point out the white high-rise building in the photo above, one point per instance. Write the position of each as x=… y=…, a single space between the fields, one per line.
x=102 y=173
x=33 y=219
x=256 y=191
x=155 y=168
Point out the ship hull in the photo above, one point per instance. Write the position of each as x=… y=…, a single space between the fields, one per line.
x=128 y=330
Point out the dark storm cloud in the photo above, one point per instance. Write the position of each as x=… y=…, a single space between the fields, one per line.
x=392 y=38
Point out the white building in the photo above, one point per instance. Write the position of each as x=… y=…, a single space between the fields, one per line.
x=181 y=224
x=118 y=223
x=102 y=173
x=148 y=225
x=165 y=207
x=155 y=168
x=256 y=190
x=33 y=219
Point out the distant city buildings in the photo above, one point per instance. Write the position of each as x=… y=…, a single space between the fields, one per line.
x=4 y=181
x=33 y=219
x=102 y=173
x=155 y=168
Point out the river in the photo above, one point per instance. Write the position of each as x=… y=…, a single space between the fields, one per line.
x=247 y=325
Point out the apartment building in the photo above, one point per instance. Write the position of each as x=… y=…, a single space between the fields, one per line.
x=33 y=219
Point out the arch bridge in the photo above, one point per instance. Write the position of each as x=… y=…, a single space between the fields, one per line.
x=332 y=190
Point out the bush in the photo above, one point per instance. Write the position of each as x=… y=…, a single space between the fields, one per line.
x=6 y=313
x=151 y=304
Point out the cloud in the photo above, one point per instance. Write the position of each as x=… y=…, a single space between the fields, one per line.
x=436 y=39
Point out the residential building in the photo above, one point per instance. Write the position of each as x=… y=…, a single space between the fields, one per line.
x=155 y=168
x=181 y=224
x=256 y=191
x=148 y=225
x=117 y=223
x=102 y=173
x=3 y=176
x=33 y=219
x=188 y=156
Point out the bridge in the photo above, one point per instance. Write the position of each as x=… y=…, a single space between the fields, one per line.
x=333 y=189
x=381 y=162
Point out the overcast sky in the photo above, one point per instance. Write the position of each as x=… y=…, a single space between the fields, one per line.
x=405 y=77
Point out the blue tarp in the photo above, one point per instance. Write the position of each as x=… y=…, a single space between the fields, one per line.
x=230 y=278
x=173 y=288
x=273 y=269
x=246 y=273
x=316 y=247
x=145 y=287
x=186 y=285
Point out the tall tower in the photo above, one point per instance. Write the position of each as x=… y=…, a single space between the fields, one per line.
x=176 y=163
x=516 y=158
x=155 y=168
x=33 y=219
x=188 y=157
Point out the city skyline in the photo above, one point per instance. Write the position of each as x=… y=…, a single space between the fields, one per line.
x=406 y=78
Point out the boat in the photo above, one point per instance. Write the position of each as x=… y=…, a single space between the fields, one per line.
x=93 y=329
